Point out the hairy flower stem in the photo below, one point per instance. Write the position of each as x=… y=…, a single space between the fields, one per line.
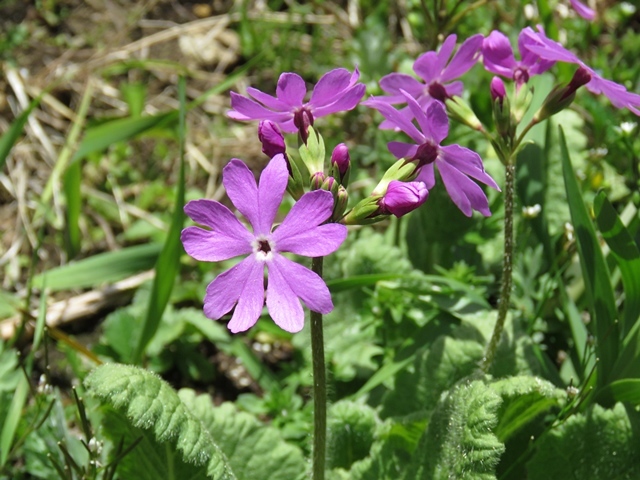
x=507 y=264
x=319 y=386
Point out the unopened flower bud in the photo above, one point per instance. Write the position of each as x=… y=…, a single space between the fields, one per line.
x=498 y=92
x=330 y=184
x=561 y=97
x=341 y=162
x=501 y=108
x=303 y=119
x=271 y=138
x=342 y=198
x=402 y=198
x=317 y=179
x=460 y=111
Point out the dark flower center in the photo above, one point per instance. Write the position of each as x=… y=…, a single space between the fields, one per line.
x=263 y=246
x=520 y=75
x=437 y=91
x=426 y=154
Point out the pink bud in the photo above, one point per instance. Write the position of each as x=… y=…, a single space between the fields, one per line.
x=271 y=138
x=340 y=158
x=403 y=197
x=580 y=78
x=497 y=89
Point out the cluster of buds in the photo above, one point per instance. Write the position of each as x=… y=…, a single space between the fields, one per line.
x=395 y=194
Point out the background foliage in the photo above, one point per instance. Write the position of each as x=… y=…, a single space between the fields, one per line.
x=113 y=116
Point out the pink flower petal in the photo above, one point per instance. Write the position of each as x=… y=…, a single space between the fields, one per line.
x=497 y=54
x=399 y=120
x=208 y=246
x=464 y=59
x=268 y=101
x=251 y=300
x=273 y=183
x=330 y=86
x=216 y=216
x=427 y=67
x=464 y=192
x=247 y=109
x=402 y=150
x=241 y=188
x=434 y=123
x=394 y=82
x=582 y=10
x=313 y=209
x=427 y=176
x=301 y=232
x=291 y=89
x=283 y=304
x=347 y=101
x=468 y=162
x=227 y=288
x=288 y=281
x=445 y=52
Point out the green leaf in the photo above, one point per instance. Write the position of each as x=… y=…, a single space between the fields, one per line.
x=627 y=390
x=99 y=269
x=434 y=370
x=71 y=183
x=14 y=414
x=144 y=401
x=625 y=252
x=254 y=451
x=168 y=262
x=351 y=433
x=10 y=137
x=594 y=445
x=102 y=136
x=459 y=441
x=595 y=272
x=523 y=399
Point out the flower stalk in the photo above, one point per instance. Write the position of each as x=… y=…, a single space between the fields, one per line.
x=507 y=266
x=319 y=386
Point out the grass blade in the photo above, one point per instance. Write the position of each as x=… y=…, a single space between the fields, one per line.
x=168 y=262
x=595 y=272
x=11 y=136
x=14 y=414
x=71 y=183
x=101 y=268
x=100 y=137
x=627 y=256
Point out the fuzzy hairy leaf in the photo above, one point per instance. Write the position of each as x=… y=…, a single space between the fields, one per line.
x=254 y=451
x=145 y=402
x=523 y=399
x=594 y=445
x=434 y=370
x=459 y=441
x=351 y=433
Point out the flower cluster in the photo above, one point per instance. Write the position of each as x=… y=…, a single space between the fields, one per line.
x=315 y=226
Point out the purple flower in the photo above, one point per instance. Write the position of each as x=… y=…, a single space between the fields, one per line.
x=582 y=10
x=340 y=158
x=455 y=163
x=302 y=232
x=336 y=91
x=271 y=138
x=436 y=71
x=402 y=198
x=498 y=58
x=550 y=50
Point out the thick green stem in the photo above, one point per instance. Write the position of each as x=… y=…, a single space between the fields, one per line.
x=507 y=264
x=319 y=387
